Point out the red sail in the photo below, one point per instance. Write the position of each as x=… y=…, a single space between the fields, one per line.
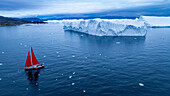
x=28 y=61
x=34 y=60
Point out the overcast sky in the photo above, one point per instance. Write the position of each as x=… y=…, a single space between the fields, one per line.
x=18 y=8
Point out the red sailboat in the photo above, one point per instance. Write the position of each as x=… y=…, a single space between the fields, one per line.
x=31 y=62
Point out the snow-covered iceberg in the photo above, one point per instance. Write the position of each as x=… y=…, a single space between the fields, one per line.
x=155 y=21
x=107 y=27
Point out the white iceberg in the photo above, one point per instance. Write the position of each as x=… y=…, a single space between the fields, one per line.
x=155 y=21
x=107 y=27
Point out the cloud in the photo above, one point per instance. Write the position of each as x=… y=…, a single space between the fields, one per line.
x=18 y=8
x=10 y=5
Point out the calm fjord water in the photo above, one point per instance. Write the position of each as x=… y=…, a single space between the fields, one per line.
x=83 y=65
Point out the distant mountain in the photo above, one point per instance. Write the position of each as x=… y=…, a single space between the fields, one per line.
x=5 y=21
x=82 y=16
x=32 y=19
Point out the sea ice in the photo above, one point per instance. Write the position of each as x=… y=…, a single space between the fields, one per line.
x=73 y=56
x=3 y=52
x=72 y=83
x=70 y=76
x=58 y=55
x=141 y=84
x=84 y=90
x=117 y=42
x=74 y=72
x=1 y=64
x=36 y=84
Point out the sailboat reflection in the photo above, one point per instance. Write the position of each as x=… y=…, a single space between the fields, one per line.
x=33 y=76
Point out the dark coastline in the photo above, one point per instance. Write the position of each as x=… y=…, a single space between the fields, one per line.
x=5 y=21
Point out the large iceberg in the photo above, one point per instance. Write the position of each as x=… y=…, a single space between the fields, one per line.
x=107 y=27
x=155 y=21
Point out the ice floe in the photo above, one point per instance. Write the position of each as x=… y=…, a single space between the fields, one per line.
x=117 y=42
x=70 y=76
x=141 y=84
x=72 y=83
x=84 y=90
x=73 y=56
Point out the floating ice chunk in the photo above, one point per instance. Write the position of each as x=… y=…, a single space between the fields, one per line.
x=39 y=89
x=25 y=45
x=117 y=42
x=1 y=64
x=56 y=79
x=141 y=84
x=0 y=78
x=58 y=55
x=13 y=81
x=74 y=72
x=72 y=83
x=86 y=57
x=81 y=35
x=57 y=52
x=84 y=91
x=44 y=56
x=3 y=52
x=36 y=84
x=100 y=54
x=70 y=76
x=135 y=38
x=26 y=88
x=20 y=43
x=73 y=56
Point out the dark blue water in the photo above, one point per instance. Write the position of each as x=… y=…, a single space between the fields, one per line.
x=83 y=65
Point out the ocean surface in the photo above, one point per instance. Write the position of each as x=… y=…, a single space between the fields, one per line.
x=78 y=64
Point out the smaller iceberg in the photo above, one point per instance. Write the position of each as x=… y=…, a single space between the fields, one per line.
x=156 y=22
x=107 y=27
